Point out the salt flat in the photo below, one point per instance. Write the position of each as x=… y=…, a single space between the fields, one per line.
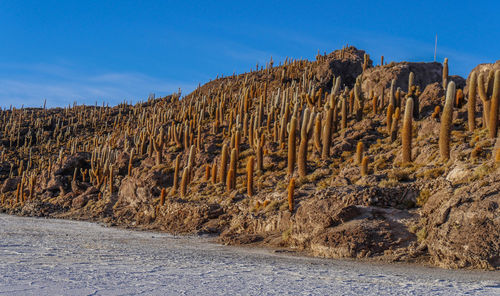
x=58 y=257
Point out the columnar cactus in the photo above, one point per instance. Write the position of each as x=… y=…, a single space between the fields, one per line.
x=446 y=118
x=250 y=176
x=233 y=165
x=395 y=123
x=494 y=106
x=291 y=145
x=407 y=130
x=327 y=134
x=184 y=181
x=223 y=163
x=162 y=197
x=390 y=111
x=305 y=133
x=471 y=108
x=291 y=188
x=344 y=113
x=485 y=99
x=359 y=152
x=445 y=73
x=364 y=166
x=176 y=174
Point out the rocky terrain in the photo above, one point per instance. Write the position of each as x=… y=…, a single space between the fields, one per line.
x=334 y=157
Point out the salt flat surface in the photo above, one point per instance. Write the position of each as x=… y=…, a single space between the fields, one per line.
x=58 y=257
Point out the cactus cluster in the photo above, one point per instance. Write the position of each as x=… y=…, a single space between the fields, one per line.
x=201 y=144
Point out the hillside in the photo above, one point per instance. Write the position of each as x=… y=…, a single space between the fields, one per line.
x=334 y=157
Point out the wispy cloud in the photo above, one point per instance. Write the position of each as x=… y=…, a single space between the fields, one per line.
x=29 y=85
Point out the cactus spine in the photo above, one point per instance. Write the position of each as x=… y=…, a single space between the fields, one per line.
x=446 y=118
x=407 y=130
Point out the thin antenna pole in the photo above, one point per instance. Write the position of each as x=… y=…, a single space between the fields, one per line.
x=435 y=47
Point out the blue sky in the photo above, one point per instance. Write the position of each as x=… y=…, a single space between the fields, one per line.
x=88 y=51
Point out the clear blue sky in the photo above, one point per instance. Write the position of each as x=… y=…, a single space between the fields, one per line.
x=85 y=51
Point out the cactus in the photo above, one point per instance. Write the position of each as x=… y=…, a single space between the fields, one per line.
x=158 y=146
x=223 y=163
x=304 y=139
x=327 y=134
x=364 y=166
x=260 y=156
x=176 y=174
x=485 y=100
x=229 y=180
x=390 y=111
x=184 y=181
x=407 y=130
x=207 y=172
x=291 y=188
x=394 y=125
x=359 y=100
x=411 y=81
x=471 y=104
x=291 y=145
x=392 y=97
x=192 y=156
x=446 y=118
x=359 y=152
x=459 y=98
x=343 y=125
x=317 y=134
x=130 y=163
x=436 y=112
x=445 y=73
x=214 y=172
x=250 y=176
x=162 y=197
x=493 y=126
x=233 y=165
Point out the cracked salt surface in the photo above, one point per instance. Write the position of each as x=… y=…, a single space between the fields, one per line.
x=59 y=257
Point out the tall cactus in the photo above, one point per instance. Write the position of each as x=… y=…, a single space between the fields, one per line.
x=223 y=164
x=445 y=73
x=446 y=119
x=471 y=108
x=250 y=176
x=326 y=136
x=407 y=130
x=305 y=134
x=482 y=91
x=291 y=189
x=359 y=152
x=494 y=106
x=291 y=145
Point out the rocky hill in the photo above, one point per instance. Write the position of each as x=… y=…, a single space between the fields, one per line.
x=333 y=157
